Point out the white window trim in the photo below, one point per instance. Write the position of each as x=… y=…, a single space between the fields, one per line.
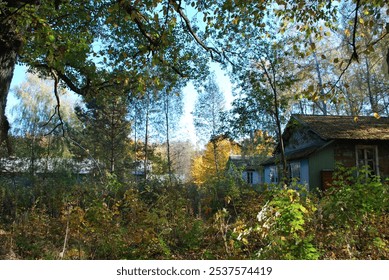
x=375 y=147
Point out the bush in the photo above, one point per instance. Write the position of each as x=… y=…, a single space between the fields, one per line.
x=353 y=217
x=285 y=226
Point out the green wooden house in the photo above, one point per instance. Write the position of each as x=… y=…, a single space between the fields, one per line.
x=315 y=144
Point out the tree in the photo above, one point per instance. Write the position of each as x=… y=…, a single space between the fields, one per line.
x=35 y=118
x=117 y=35
x=105 y=129
x=209 y=106
x=34 y=33
x=207 y=115
x=204 y=167
x=266 y=83
x=172 y=110
x=238 y=24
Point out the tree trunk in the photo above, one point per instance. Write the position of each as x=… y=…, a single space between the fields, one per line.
x=8 y=56
x=146 y=139
x=169 y=162
x=10 y=46
x=372 y=98
x=215 y=157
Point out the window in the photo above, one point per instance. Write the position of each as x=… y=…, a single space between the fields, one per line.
x=295 y=170
x=273 y=174
x=368 y=156
x=250 y=177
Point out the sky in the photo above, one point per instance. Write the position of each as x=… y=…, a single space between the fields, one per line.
x=186 y=130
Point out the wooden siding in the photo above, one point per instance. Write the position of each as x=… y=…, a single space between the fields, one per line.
x=321 y=160
x=305 y=173
x=302 y=138
x=256 y=177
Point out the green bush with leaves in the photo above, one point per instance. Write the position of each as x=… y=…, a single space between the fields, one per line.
x=285 y=226
x=353 y=216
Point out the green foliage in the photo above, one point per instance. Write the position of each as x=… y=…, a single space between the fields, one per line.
x=353 y=216
x=285 y=226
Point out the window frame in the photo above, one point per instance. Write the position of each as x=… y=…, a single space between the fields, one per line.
x=291 y=175
x=273 y=170
x=250 y=177
x=376 y=162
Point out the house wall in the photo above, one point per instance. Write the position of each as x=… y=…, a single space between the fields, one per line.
x=319 y=161
x=256 y=177
x=301 y=138
x=266 y=174
x=304 y=172
x=304 y=179
x=345 y=153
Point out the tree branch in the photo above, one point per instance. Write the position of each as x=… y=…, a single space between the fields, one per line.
x=355 y=53
x=57 y=107
x=134 y=13
x=188 y=25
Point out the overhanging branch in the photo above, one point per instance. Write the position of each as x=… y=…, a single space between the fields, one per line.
x=189 y=27
x=57 y=110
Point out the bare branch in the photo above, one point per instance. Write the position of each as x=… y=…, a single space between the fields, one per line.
x=355 y=53
x=57 y=107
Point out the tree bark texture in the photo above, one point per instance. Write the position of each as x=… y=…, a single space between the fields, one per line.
x=10 y=45
x=11 y=41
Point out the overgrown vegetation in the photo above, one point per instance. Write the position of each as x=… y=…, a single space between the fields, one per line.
x=111 y=220
x=117 y=179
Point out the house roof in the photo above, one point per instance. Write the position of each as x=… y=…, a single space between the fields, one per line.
x=345 y=127
x=23 y=165
x=333 y=128
x=245 y=161
x=292 y=155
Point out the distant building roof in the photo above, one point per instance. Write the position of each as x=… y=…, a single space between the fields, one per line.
x=248 y=162
x=292 y=155
x=345 y=127
x=23 y=165
x=332 y=128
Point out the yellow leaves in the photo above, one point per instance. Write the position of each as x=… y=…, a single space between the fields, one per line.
x=235 y=20
x=347 y=32
x=315 y=97
x=126 y=81
x=213 y=160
